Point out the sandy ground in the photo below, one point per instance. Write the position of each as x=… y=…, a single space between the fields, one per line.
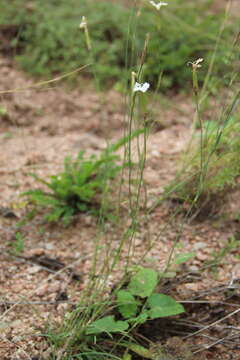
x=42 y=126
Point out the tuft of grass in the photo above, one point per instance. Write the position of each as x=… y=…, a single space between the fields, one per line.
x=203 y=184
x=210 y=167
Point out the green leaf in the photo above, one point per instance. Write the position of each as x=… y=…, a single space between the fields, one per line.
x=107 y=324
x=124 y=140
x=140 y=319
x=127 y=357
x=163 y=305
x=55 y=214
x=143 y=283
x=182 y=258
x=127 y=304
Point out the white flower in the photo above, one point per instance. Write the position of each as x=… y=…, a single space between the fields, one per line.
x=141 y=87
x=158 y=6
x=196 y=64
x=83 y=23
x=198 y=61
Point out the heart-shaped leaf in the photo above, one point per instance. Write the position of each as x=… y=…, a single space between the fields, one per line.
x=143 y=283
x=163 y=305
x=107 y=324
x=127 y=304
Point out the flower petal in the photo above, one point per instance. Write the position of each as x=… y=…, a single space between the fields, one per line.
x=141 y=87
x=158 y=6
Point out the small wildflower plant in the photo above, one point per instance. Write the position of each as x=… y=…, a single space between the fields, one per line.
x=79 y=188
x=158 y=5
x=141 y=87
x=132 y=306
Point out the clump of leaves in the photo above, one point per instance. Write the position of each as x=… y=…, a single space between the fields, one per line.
x=80 y=186
x=51 y=41
x=95 y=329
x=136 y=304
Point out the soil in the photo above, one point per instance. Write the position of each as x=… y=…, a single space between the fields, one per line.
x=39 y=127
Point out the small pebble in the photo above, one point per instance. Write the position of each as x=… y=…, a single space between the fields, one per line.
x=202 y=257
x=199 y=245
x=194 y=268
x=34 y=269
x=49 y=246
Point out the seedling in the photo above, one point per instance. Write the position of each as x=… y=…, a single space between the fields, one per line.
x=80 y=187
x=136 y=304
x=18 y=244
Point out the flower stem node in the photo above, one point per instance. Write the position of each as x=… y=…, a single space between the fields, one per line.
x=141 y=87
x=83 y=23
x=158 y=5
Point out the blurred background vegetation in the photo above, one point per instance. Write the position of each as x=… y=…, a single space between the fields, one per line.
x=46 y=39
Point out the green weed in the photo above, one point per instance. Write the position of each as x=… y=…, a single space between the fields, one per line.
x=79 y=188
x=137 y=303
x=203 y=186
x=18 y=244
x=131 y=306
x=210 y=164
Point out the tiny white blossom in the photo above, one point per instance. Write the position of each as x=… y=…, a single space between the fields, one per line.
x=141 y=87
x=83 y=23
x=158 y=6
x=198 y=61
x=196 y=64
